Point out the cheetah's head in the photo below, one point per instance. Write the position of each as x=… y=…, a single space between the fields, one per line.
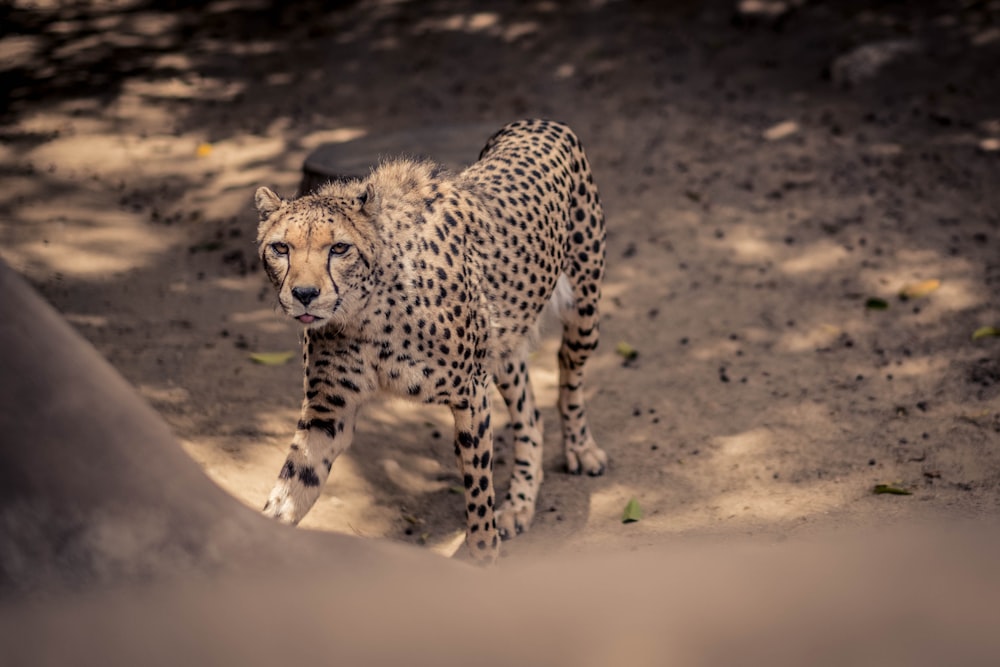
x=319 y=251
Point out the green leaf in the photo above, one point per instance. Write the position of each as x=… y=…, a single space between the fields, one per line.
x=626 y=351
x=985 y=332
x=271 y=358
x=632 y=511
x=891 y=489
x=876 y=303
x=457 y=490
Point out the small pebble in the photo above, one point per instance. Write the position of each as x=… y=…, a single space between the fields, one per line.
x=781 y=130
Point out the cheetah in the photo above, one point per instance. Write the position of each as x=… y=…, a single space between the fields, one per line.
x=427 y=284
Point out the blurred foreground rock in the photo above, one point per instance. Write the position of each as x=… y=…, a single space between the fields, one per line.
x=116 y=549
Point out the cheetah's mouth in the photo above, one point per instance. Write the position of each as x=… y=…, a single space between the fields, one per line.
x=307 y=318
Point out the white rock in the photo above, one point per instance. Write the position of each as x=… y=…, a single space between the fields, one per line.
x=866 y=61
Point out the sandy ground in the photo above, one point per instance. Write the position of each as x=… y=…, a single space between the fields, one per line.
x=766 y=399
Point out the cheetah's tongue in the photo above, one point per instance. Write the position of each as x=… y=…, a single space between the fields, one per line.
x=306 y=319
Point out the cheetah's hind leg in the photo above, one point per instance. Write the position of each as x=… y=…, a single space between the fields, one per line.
x=577 y=309
x=518 y=508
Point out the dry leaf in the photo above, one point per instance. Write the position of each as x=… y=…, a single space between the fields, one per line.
x=626 y=351
x=985 y=332
x=917 y=290
x=891 y=489
x=271 y=358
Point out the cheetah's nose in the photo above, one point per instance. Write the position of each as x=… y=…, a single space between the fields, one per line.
x=305 y=295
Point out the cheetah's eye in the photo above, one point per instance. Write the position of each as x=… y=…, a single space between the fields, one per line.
x=338 y=249
x=279 y=248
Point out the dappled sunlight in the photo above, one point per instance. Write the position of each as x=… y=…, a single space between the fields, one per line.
x=111 y=154
x=340 y=135
x=750 y=245
x=747 y=444
x=809 y=338
x=240 y=284
x=928 y=367
x=19 y=50
x=97 y=248
x=82 y=320
x=416 y=479
x=960 y=288
x=161 y=396
x=715 y=349
x=544 y=371
x=487 y=23
x=350 y=503
x=958 y=294
x=820 y=256
x=756 y=505
x=449 y=545
x=265 y=319
x=87 y=233
x=396 y=412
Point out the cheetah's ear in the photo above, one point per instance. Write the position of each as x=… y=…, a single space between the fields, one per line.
x=267 y=202
x=368 y=201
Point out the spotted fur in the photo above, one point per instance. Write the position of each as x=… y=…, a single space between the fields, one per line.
x=427 y=284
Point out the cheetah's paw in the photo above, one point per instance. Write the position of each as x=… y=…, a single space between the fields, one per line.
x=591 y=460
x=514 y=518
x=281 y=505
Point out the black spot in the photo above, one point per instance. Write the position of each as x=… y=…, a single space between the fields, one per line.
x=288 y=471
x=326 y=425
x=468 y=480
x=308 y=476
x=347 y=384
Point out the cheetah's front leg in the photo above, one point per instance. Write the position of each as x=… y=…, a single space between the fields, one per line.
x=518 y=509
x=474 y=450
x=316 y=445
x=323 y=433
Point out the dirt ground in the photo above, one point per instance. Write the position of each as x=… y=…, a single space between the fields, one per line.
x=766 y=398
